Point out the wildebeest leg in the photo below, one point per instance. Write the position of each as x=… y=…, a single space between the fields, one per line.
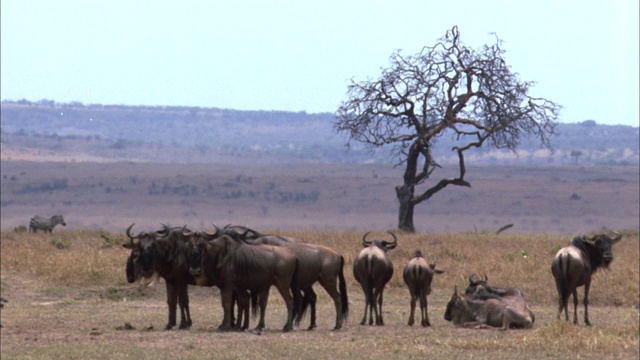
x=424 y=307
x=367 y=304
x=172 y=301
x=587 y=285
x=311 y=297
x=226 y=297
x=183 y=302
x=263 y=298
x=575 y=306
x=378 y=308
x=242 y=322
x=519 y=319
x=283 y=289
x=337 y=301
x=412 y=305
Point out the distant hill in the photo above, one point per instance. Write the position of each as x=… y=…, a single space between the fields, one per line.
x=75 y=131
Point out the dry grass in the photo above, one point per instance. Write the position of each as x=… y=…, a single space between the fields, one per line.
x=68 y=298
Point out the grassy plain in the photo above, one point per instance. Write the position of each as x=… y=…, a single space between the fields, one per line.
x=68 y=298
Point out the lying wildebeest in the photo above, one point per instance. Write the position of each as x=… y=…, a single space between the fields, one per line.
x=464 y=311
x=317 y=263
x=162 y=254
x=481 y=290
x=418 y=275
x=573 y=266
x=373 y=269
x=238 y=267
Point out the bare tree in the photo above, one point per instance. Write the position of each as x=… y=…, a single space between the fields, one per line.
x=449 y=87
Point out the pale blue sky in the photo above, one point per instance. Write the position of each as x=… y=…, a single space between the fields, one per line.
x=299 y=55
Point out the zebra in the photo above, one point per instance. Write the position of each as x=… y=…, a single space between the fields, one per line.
x=45 y=224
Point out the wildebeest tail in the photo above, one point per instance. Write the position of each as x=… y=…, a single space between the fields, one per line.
x=342 y=284
x=295 y=289
x=368 y=265
x=306 y=300
x=417 y=274
x=254 y=304
x=562 y=264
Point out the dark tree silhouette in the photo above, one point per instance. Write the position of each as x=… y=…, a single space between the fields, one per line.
x=448 y=88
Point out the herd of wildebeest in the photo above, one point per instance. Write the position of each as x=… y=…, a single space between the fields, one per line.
x=244 y=264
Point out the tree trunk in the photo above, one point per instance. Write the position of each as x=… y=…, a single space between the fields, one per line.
x=405 y=213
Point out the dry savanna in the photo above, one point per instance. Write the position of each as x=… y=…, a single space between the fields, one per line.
x=68 y=298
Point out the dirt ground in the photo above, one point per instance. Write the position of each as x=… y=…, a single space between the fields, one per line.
x=126 y=323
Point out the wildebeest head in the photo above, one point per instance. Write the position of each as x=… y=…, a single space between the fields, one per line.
x=243 y=232
x=140 y=261
x=197 y=242
x=480 y=289
x=382 y=244
x=477 y=285
x=454 y=305
x=598 y=247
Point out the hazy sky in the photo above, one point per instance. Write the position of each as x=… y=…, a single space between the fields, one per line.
x=299 y=55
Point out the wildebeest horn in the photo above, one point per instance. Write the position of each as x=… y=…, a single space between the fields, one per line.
x=471 y=277
x=392 y=245
x=128 y=232
x=455 y=290
x=213 y=234
x=486 y=279
x=164 y=231
x=186 y=232
x=364 y=239
x=617 y=238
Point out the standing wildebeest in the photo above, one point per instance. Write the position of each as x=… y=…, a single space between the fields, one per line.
x=373 y=269
x=573 y=266
x=240 y=268
x=418 y=275
x=317 y=263
x=45 y=224
x=162 y=253
x=496 y=312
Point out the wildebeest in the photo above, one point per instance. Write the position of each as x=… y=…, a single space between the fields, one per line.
x=573 y=266
x=464 y=311
x=162 y=254
x=45 y=224
x=2 y=302
x=317 y=264
x=481 y=290
x=373 y=269
x=418 y=275
x=238 y=268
